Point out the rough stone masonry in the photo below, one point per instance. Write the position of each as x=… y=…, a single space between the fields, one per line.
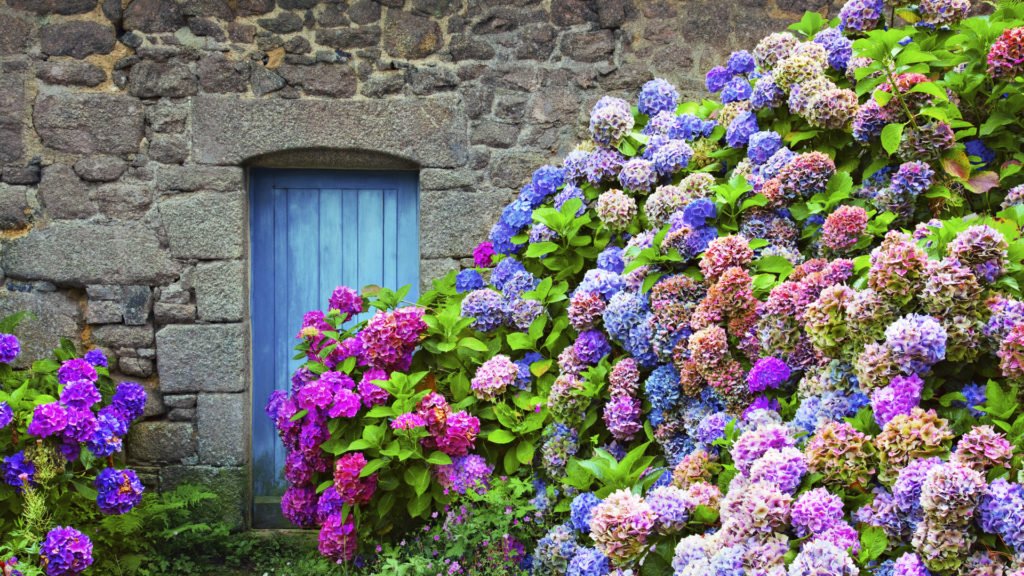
x=126 y=127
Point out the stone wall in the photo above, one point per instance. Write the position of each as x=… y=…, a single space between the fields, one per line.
x=126 y=127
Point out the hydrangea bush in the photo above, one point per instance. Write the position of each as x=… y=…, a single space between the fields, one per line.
x=779 y=332
x=62 y=424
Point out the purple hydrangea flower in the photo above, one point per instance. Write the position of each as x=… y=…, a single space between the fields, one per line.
x=118 y=490
x=96 y=357
x=571 y=191
x=486 y=307
x=912 y=179
x=65 y=552
x=767 y=373
x=766 y=93
x=672 y=157
x=81 y=394
x=591 y=346
x=816 y=511
x=9 y=348
x=18 y=472
x=76 y=369
x=839 y=47
x=47 y=420
x=860 y=15
x=6 y=414
x=717 y=78
x=900 y=396
x=346 y=301
x=917 y=342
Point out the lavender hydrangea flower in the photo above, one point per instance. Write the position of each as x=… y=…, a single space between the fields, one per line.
x=766 y=93
x=822 y=557
x=588 y=562
x=762 y=145
x=816 y=511
x=917 y=342
x=671 y=157
x=9 y=348
x=736 y=90
x=118 y=491
x=860 y=15
x=741 y=62
x=486 y=307
x=638 y=175
x=591 y=346
x=65 y=552
x=657 y=95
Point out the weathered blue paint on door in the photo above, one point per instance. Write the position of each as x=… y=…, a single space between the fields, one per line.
x=310 y=231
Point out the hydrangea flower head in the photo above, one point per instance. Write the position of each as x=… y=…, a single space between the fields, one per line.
x=9 y=348
x=610 y=121
x=118 y=490
x=656 y=96
x=76 y=369
x=581 y=509
x=65 y=552
x=620 y=526
x=493 y=377
x=1006 y=57
x=96 y=357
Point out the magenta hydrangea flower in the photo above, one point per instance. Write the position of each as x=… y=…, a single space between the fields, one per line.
x=493 y=377
x=1006 y=58
x=408 y=421
x=345 y=404
x=47 y=420
x=338 y=540
x=483 y=255
x=389 y=338
x=9 y=348
x=372 y=394
x=351 y=488
x=65 y=552
x=118 y=490
x=76 y=369
x=346 y=301
x=767 y=373
x=459 y=437
x=316 y=394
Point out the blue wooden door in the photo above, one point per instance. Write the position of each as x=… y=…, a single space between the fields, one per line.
x=310 y=231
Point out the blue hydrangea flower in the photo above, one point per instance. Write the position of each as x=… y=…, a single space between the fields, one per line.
x=568 y=193
x=736 y=90
x=657 y=95
x=699 y=239
x=741 y=62
x=975 y=395
x=716 y=78
x=625 y=310
x=501 y=238
x=581 y=509
x=740 y=129
x=662 y=387
x=520 y=283
x=517 y=215
x=980 y=154
x=468 y=279
x=110 y=431
x=487 y=308
x=524 y=378
x=547 y=179
x=530 y=196
x=6 y=414
x=118 y=491
x=601 y=281
x=610 y=259
x=697 y=213
x=711 y=428
x=504 y=271
x=762 y=145
x=588 y=562
x=689 y=127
